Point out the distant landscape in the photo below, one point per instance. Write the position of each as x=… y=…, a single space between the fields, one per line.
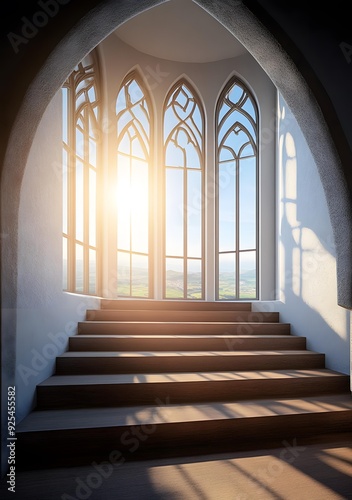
x=174 y=285
x=247 y=285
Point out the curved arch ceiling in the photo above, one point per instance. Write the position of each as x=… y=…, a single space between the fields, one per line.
x=188 y=33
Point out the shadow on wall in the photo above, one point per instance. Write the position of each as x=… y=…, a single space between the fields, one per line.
x=307 y=260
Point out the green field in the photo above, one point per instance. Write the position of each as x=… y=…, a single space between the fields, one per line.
x=247 y=285
x=175 y=285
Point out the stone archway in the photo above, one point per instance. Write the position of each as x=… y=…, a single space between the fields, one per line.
x=97 y=23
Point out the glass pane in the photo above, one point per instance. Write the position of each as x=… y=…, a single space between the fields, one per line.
x=79 y=201
x=92 y=271
x=227 y=276
x=227 y=207
x=79 y=268
x=192 y=156
x=174 y=201
x=135 y=92
x=64 y=192
x=80 y=97
x=194 y=213
x=91 y=94
x=123 y=204
x=79 y=143
x=226 y=154
x=121 y=101
x=139 y=200
x=125 y=144
x=92 y=207
x=194 y=279
x=198 y=122
x=174 y=278
x=248 y=275
x=174 y=156
x=225 y=108
x=142 y=117
x=137 y=149
x=65 y=115
x=235 y=93
x=170 y=121
x=140 y=276
x=248 y=106
x=64 y=264
x=247 y=151
x=93 y=123
x=123 y=274
x=247 y=209
x=92 y=152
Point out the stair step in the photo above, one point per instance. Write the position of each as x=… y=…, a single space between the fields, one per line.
x=75 y=363
x=174 y=305
x=181 y=328
x=207 y=377
x=84 y=391
x=184 y=316
x=83 y=436
x=184 y=342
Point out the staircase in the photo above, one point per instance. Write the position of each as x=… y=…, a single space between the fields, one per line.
x=147 y=379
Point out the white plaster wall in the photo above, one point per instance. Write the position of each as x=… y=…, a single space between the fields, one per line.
x=118 y=59
x=46 y=316
x=306 y=287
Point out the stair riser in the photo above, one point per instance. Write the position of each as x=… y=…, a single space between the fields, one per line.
x=105 y=395
x=94 y=365
x=78 y=343
x=130 y=328
x=242 y=316
x=117 y=445
x=171 y=305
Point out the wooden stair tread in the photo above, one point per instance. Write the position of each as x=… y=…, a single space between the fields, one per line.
x=182 y=325
x=205 y=340
x=184 y=315
x=162 y=378
x=181 y=336
x=112 y=342
x=176 y=323
x=46 y=420
x=179 y=354
x=172 y=305
x=183 y=328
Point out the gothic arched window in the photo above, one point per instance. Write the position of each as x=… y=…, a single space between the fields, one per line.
x=163 y=204
x=81 y=150
x=184 y=190
x=133 y=113
x=237 y=197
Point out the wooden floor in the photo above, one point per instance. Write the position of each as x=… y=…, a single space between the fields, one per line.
x=297 y=471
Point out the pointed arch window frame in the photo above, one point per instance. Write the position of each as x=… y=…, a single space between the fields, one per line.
x=80 y=110
x=135 y=76
x=255 y=144
x=198 y=205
